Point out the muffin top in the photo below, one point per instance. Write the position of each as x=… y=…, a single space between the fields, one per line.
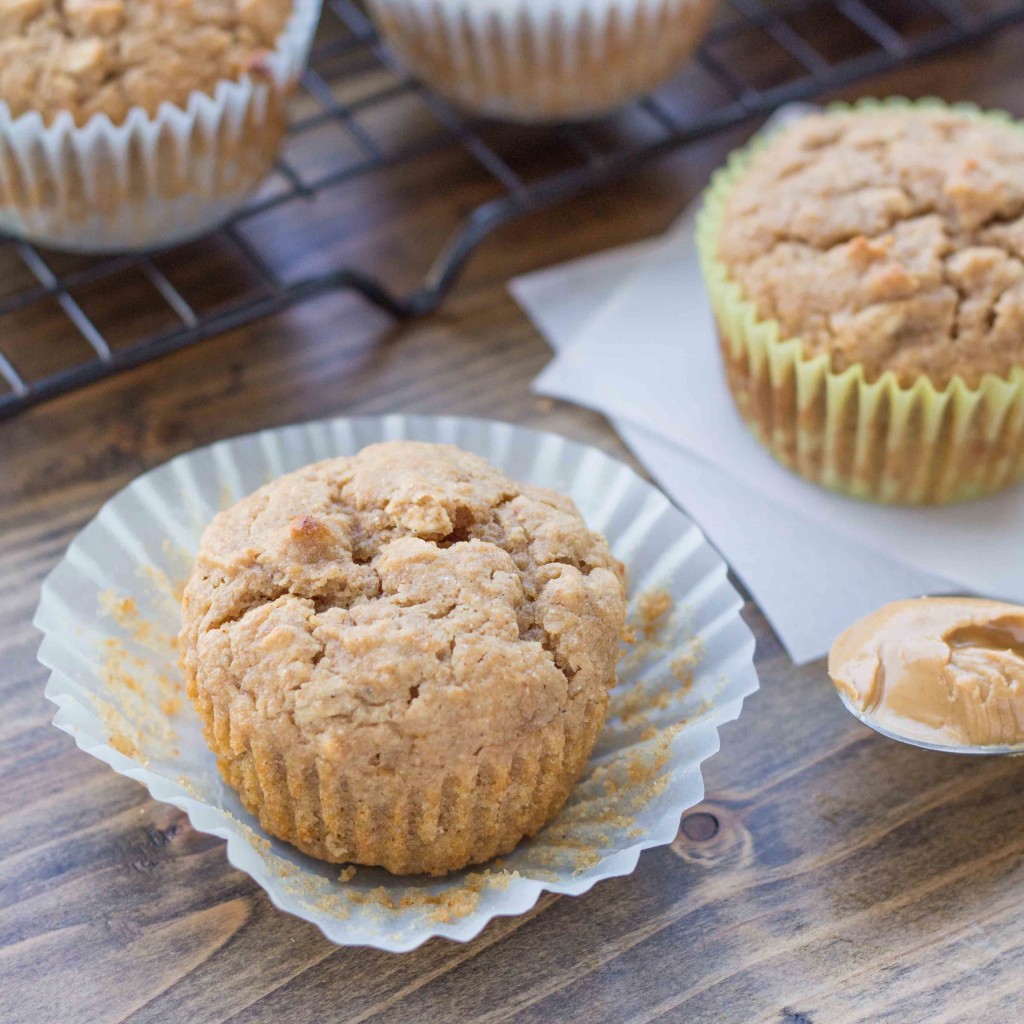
x=106 y=56
x=406 y=608
x=888 y=237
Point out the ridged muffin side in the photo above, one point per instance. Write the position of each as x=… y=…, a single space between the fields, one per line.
x=402 y=659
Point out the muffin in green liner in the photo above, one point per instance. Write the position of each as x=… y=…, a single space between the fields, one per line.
x=866 y=271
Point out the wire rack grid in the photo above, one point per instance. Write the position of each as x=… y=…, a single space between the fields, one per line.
x=67 y=321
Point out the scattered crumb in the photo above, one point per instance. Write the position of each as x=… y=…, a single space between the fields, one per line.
x=634 y=705
x=585 y=860
x=124 y=745
x=653 y=608
x=118 y=608
x=170 y=590
x=655 y=620
x=259 y=842
x=125 y=613
x=379 y=896
x=347 y=874
x=142 y=687
x=684 y=665
x=170 y=706
x=440 y=907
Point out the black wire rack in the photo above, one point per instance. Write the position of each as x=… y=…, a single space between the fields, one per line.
x=360 y=122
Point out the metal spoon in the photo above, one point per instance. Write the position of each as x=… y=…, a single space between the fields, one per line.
x=1014 y=749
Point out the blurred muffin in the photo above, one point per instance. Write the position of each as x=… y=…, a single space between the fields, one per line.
x=402 y=658
x=866 y=270
x=542 y=60
x=136 y=124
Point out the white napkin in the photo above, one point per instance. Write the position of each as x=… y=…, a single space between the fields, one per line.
x=635 y=340
x=650 y=357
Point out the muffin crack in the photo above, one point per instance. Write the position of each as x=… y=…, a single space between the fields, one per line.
x=355 y=564
x=239 y=609
x=886 y=238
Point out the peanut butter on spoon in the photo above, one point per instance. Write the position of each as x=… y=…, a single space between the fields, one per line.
x=941 y=672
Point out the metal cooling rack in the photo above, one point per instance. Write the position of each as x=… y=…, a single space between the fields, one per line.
x=360 y=120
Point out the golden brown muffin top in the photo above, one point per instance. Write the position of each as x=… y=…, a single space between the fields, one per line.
x=404 y=609
x=888 y=237
x=107 y=56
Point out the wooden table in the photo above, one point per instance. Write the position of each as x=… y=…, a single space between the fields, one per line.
x=830 y=877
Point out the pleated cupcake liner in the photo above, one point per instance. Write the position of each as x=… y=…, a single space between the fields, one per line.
x=110 y=613
x=543 y=60
x=150 y=180
x=465 y=817
x=876 y=440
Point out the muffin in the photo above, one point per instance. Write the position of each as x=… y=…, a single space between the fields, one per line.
x=136 y=124
x=866 y=271
x=402 y=658
x=542 y=60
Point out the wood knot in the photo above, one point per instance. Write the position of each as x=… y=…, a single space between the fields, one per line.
x=699 y=827
x=710 y=836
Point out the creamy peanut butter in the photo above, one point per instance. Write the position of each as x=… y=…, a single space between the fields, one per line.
x=942 y=670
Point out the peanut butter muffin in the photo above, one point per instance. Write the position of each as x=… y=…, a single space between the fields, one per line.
x=402 y=658
x=109 y=56
x=137 y=124
x=866 y=267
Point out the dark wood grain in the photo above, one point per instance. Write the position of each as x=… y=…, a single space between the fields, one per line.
x=831 y=877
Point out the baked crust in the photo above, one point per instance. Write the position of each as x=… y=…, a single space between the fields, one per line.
x=891 y=238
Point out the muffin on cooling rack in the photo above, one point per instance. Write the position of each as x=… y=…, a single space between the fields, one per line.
x=866 y=270
x=137 y=123
x=542 y=60
x=402 y=658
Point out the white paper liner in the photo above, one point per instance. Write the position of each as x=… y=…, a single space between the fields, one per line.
x=542 y=60
x=149 y=181
x=108 y=612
